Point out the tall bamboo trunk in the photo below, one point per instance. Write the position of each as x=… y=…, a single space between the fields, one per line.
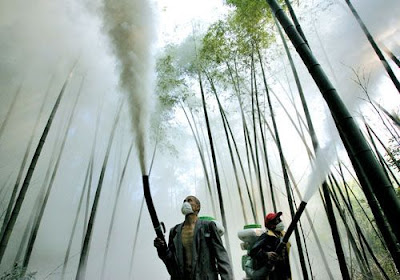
x=254 y=104
x=265 y=146
x=87 y=186
x=21 y=196
x=252 y=204
x=39 y=217
x=92 y=156
x=335 y=232
x=201 y=154
x=217 y=181
x=248 y=149
x=114 y=211
x=295 y=21
x=80 y=203
x=23 y=163
x=88 y=235
x=226 y=125
x=363 y=159
x=39 y=198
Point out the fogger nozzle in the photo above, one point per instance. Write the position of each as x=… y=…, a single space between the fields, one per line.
x=292 y=226
x=158 y=227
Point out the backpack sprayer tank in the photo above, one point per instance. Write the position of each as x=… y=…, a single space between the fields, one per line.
x=220 y=227
x=249 y=236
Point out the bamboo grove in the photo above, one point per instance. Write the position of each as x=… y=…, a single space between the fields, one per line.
x=238 y=111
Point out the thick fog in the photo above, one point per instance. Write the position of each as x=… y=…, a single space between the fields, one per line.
x=41 y=41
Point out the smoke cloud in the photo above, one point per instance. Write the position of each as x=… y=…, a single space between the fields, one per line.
x=129 y=25
x=320 y=168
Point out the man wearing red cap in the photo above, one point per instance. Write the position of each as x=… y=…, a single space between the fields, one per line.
x=267 y=263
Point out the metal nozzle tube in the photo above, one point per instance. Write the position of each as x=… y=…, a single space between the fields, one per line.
x=292 y=225
x=150 y=207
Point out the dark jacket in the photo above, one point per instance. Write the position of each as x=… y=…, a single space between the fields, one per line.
x=209 y=257
x=279 y=269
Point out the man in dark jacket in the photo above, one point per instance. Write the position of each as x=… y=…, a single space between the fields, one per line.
x=195 y=250
x=268 y=264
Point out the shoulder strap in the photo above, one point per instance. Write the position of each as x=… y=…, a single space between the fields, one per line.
x=207 y=230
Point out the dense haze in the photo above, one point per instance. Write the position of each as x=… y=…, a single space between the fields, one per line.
x=40 y=42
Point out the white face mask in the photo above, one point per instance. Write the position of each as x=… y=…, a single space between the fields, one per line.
x=186 y=208
x=280 y=226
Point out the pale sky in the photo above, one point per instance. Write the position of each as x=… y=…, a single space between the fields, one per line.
x=176 y=17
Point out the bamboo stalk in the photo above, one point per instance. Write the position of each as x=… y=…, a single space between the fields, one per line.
x=225 y=125
x=295 y=21
x=114 y=211
x=248 y=149
x=39 y=198
x=254 y=103
x=23 y=163
x=225 y=121
x=21 y=196
x=88 y=235
x=71 y=238
x=217 y=181
x=202 y=159
x=39 y=217
x=86 y=218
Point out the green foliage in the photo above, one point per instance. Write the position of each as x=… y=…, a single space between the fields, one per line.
x=217 y=44
x=374 y=241
x=252 y=12
x=246 y=28
x=171 y=86
x=18 y=273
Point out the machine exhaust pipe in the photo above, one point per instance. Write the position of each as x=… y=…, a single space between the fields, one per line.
x=291 y=227
x=159 y=227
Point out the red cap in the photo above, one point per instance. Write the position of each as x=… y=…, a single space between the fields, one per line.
x=271 y=216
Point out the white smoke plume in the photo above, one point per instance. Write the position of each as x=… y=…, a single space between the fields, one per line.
x=130 y=27
x=324 y=158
